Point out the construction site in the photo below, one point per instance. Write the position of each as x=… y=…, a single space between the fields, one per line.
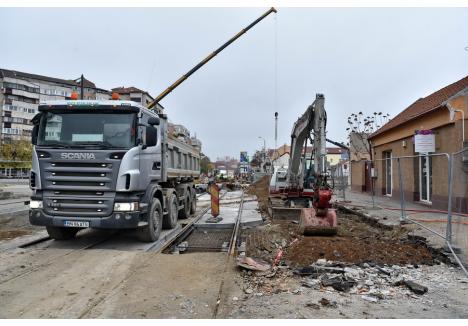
x=118 y=213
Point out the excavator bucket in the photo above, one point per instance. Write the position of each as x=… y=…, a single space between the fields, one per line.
x=310 y=224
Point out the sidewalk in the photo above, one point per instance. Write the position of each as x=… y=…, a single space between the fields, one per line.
x=387 y=211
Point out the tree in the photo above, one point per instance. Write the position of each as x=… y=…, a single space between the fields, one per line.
x=205 y=164
x=360 y=128
x=18 y=151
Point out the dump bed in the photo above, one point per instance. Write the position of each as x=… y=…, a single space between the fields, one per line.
x=183 y=153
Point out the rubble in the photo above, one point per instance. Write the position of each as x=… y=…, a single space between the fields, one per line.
x=362 y=260
x=327 y=303
x=339 y=283
x=312 y=305
x=317 y=270
x=370 y=298
x=413 y=286
x=252 y=264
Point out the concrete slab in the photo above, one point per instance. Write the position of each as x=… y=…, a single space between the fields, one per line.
x=250 y=217
x=250 y=205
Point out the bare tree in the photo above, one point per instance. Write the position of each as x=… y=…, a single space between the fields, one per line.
x=360 y=127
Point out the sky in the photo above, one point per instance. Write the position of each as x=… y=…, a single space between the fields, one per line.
x=361 y=59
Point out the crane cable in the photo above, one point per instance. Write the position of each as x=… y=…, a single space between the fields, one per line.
x=275 y=90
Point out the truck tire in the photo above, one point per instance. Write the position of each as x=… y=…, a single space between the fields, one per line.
x=152 y=230
x=185 y=211
x=193 y=202
x=170 y=220
x=59 y=233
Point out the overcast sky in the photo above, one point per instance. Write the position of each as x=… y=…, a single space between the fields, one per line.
x=361 y=59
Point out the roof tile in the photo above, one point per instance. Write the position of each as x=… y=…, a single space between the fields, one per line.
x=424 y=105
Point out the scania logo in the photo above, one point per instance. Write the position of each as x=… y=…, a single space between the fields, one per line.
x=78 y=156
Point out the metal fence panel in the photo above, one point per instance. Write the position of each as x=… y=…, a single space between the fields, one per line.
x=459 y=205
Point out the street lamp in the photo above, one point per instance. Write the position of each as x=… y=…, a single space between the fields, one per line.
x=264 y=151
x=452 y=118
x=264 y=142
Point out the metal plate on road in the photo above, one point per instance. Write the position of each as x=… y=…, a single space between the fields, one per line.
x=77 y=224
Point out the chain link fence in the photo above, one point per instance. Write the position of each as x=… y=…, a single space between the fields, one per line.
x=458 y=228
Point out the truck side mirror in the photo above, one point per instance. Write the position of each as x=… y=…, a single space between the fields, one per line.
x=34 y=134
x=153 y=121
x=151 y=136
x=35 y=121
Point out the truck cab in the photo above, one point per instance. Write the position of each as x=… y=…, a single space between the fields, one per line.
x=107 y=164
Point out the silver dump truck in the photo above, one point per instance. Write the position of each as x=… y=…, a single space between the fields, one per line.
x=110 y=165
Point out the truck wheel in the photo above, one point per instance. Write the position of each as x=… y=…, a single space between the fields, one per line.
x=185 y=211
x=151 y=232
x=170 y=220
x=58 y=233
x=193 y=202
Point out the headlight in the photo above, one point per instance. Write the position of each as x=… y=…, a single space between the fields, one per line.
x=35 y=204
x=126 y=207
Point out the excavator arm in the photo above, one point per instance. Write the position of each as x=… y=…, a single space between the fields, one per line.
x=300 y=133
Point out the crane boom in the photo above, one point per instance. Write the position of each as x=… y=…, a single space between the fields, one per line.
x=208 y=58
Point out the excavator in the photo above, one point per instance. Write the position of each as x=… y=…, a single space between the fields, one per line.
x=306 y=184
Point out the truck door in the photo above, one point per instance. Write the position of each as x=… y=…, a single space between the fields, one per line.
x=150 y=157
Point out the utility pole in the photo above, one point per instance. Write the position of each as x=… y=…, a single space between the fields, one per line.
x=276 y=130
x=82 y=87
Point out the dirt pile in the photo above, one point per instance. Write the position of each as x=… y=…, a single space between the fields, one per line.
x=261 y=189
x=356 y=243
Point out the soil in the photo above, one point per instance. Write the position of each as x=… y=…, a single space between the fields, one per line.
x=261 y=190
x=356 y=242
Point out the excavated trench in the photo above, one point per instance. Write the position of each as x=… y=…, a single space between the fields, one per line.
x=357 y=242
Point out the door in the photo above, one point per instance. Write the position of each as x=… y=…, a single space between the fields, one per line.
x=388 y=173
x=425 y=178
x=367 y=176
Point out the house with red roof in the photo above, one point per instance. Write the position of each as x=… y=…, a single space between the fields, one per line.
x=441 y=116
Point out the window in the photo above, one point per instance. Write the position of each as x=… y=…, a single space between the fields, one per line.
x=11 y=131
x=112 y=130
x=425 y=178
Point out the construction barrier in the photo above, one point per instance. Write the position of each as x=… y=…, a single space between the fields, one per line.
x=214 y=192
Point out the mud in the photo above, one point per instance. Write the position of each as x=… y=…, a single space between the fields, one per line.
x=356 y=243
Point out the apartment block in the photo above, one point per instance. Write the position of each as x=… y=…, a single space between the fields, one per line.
x=21 y=93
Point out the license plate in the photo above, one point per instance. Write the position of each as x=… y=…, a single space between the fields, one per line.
x=77 y=224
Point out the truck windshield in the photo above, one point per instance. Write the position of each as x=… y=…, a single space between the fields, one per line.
x=86 y=129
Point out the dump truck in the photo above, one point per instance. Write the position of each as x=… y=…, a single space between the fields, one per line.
x=110 y=164
x=114 y=164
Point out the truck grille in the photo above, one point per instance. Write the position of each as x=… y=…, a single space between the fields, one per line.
x=71 y=206
x=78 y=176
x=79 y=189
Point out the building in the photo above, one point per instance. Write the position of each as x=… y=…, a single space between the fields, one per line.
x=425 y=177
x=336 y=155
x=280 y=156
x=134 y=94
x=226 y=166
x=20 y=94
